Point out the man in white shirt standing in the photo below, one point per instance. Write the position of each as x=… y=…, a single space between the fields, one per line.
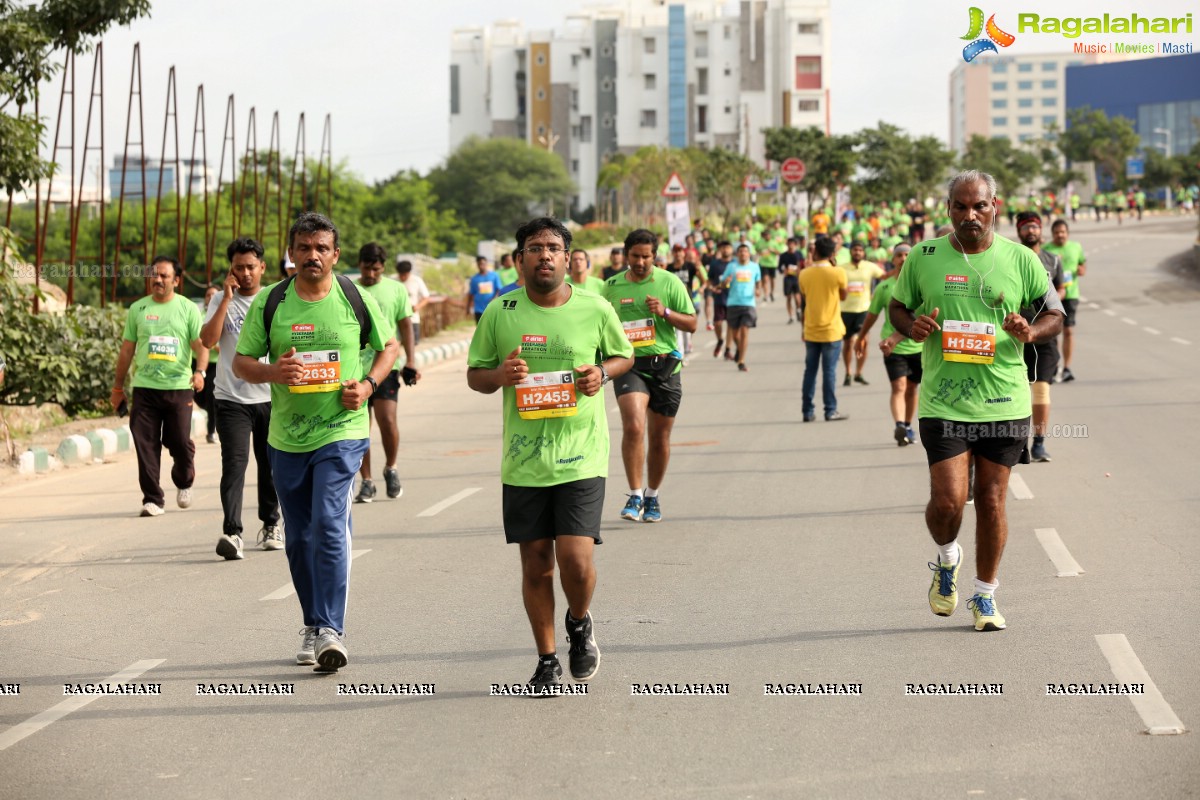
x=243 y=409
x=418 y=294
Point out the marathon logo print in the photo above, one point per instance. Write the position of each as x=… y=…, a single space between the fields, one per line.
x=956 y=279
x=626 y=301
x=303 y=328
x=304 y=333
x=152 y=317
x=532 y=339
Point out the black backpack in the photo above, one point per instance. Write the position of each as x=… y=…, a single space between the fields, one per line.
x=352 y=295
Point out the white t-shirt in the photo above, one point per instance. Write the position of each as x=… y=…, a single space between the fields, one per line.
x=417 y=291
x=229 y=387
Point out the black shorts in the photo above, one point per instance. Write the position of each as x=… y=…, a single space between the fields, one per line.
x=1041 y=361
x=389 y=388
x=999 y=442
x=665 y=396
x=1070 y=306
x=853 y=320
x=791 y=284
x=903 y=366
x=742 y=316
x=478 y=315
x=768 y=271
x=546 y=512
x=719 y=310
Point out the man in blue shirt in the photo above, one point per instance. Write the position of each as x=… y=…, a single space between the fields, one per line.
x=740 y=314
x=485 y=286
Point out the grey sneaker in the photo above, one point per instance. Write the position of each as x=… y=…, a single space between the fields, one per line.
x=392 y=478
x=270 y=538
x=152 y=510
x=229 y=546
x=306 y=656
x=366 y=492
x=183 y=498
x=330 y=650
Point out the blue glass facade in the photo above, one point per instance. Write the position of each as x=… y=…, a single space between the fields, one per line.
x=677 y=77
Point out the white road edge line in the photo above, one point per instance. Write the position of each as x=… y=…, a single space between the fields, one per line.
x=1152 y=331
x=1018 y=487
x=53 y=714
x=1060 y=556
x=1154 y=710
x=288 y=589
x=438 y=508
x=1110 y=312
x=1177 y=340
x=1128 y=321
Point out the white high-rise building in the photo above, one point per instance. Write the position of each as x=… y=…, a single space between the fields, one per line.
x=644 y=72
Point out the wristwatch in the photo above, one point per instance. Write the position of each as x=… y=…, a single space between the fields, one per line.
x=604 y=379
x=374 y=385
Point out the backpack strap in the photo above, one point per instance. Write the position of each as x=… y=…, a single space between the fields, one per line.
x=360 y=310
x=273 y=300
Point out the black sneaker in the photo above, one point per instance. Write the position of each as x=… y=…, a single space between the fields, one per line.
x=546 y=677
x=366 y=492
x=584 y=655
x=901 y=435
x=847 y=381
x=392 y=478
x=1024 y=459
x=1067 y=375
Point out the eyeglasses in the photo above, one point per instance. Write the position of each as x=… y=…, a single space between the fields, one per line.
x=538 y=249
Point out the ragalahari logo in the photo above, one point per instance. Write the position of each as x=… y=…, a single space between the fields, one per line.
x=995 y=36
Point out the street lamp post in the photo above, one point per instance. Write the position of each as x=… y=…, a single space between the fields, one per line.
x=1166 y=132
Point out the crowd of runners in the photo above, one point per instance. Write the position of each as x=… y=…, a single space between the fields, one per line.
x=968 y=335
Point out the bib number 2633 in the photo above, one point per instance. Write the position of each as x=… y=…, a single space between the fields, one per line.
x=322 y=372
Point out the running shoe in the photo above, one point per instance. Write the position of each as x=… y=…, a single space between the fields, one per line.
x=943 y=592
x=987 y=618
x=584 y=656
x=809 y=417
x=183 y=498
x=366 y=492
x=910 y=434
x=1038 y=452
x=901 y=435
x=790 y=320
x=633 y=509
x=330 y=650
x=717 y=349
x=152 y=510
x=270 y=537
x=847 y=381
x=1024 y=457
x=546 y=677
x=392 y=478
x=708 y=327
x=229 y=546
x=836 y=416
x=1067 y=375
x=742 y=367
x=306 y=656
x=651 y=511
x=861 y=379
x=728 y=355
x=211 y=438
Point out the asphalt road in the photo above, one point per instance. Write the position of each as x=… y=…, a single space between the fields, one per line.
x=789 y=553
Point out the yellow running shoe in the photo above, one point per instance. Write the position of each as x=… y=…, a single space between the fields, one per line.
x=987 y=618
x=943 y=592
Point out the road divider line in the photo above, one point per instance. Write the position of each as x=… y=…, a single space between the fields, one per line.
x=288 y=589
x=1152 y=707
x=1110 y=312
x=438 y=508
x=1018 y=487
x=1060 y=556
x=1177 y=340
x=1152 y=331
x=1128 y=321
x=53 y=714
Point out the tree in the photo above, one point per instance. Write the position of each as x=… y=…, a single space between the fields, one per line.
x=1092 y=135
x=996 y=156
x=829 y=161
x=28 y=35
x=496 y=185
x=717 y=177
x=1055 y=175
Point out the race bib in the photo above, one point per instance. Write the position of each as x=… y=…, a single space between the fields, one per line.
x=792 y=269
x=1068 y=278
x=856 y=287
x=968 y=342
x=486 y=288
x=745 y=276
x=163 y=348
x=639 y=332
x=322 y=372
x=546 y=394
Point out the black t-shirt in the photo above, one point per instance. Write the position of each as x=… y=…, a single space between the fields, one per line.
x=788 y=259
x=610 y=271
x=686 y=273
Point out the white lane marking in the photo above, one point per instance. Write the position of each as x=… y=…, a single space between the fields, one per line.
x=1018 y=487
x=53 y=714
x=1093 y=305
x=288 y=590
x=1110 y=312
x=1128 y=321
x=1177 y=340
x=1062 y=559
x=1152 y=331
x=438 y=508
x=1152 y=707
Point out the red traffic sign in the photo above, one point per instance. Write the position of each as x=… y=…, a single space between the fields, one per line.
x=792 y=170
x=674 y=187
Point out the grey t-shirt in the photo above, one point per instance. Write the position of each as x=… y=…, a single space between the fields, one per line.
x=229 y=387
x=1051 y=301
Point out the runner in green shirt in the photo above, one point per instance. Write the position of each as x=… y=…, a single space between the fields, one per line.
x=901 y=355
x=651 y=304
x=539 y=346
x=396 y=311
x=1074 y=267
x=960 y=296
x=580 y=273
x=162 y=333
x=506 y=271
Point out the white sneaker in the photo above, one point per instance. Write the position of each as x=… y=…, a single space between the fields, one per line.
x=330 y=651
x=184 y=498
x=152 y=510
x=270 y=537
x=229 y=547
x=306 y=655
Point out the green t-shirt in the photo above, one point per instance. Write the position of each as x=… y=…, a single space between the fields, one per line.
x=591 y=283
x=507 y=275
x=1072 y=256
x=325 y=333
x=842 y=257
x=879 y=307
x=649 y=333
x=548 y=441
x=162 y=334
x=890 y=242
x=394 y=305
x=974 y=371
x=877 y=254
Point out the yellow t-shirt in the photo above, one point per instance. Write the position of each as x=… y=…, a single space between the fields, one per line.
x=823 y=306
x=858 y=285
x=820 y=223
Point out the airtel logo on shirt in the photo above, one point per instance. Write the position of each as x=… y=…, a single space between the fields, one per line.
x=531 y=339
x=303 y=328
x=956 y=279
